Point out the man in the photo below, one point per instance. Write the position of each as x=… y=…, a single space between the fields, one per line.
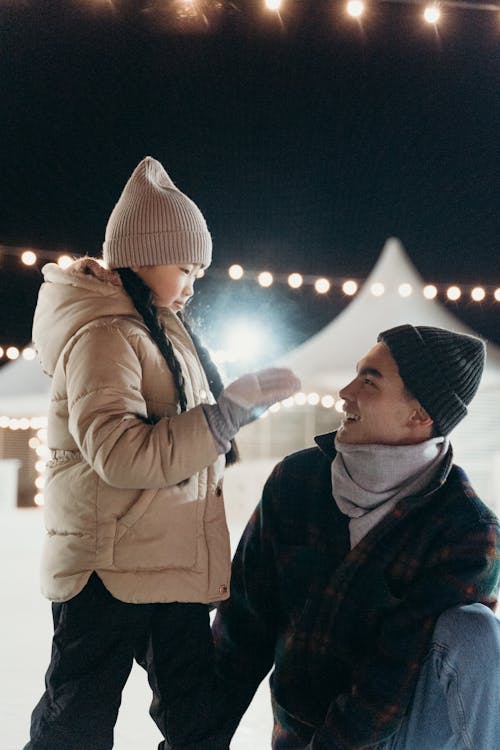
x=368 y=573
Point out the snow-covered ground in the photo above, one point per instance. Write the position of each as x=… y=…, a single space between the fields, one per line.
x=26 y=630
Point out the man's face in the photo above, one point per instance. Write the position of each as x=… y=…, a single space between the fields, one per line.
x=377 y=409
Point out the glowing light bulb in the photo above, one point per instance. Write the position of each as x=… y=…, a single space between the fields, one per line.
x=496 y=295
x=454 y=293
x=322 y=286
x=29 y=353
x=313 y=399
x=430 y=291
x=300 y=398
x=355 y=8
x=295 y=280
x=327 y=401
x=273 y=4
x=12 y=352
x=377 y=289
x=349 y=287
x=405 y=290
x=28 y=258
x=236 y=271
x=478 y=294
x=265 y=279
x=339 y=405
x=64 y=261
x=432 y=14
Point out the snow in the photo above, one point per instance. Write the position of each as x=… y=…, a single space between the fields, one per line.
x=26 y=630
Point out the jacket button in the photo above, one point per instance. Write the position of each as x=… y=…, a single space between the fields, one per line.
x=218 y=491
x=223 y=589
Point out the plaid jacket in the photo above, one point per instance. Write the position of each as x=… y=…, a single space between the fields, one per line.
x=346 y=630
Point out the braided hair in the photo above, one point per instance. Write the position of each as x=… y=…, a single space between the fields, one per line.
x=142 y=297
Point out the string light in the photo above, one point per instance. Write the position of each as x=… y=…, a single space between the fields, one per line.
x=29 y=258
x=432 y=14
x=236 y=271
x=349 y=287
x=327 y=401
x=274 y=5
x=322 y=286
x=12 y=352
x=265 y=279
x=454 y=293
x=497 y=295
x=64 y=261
x=377 y=289
x=295 y=280
x=355 y=8
x=478 y=294
x=405 y=290
x=430 y=291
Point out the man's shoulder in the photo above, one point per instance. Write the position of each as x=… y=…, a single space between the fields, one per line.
x=468 y=506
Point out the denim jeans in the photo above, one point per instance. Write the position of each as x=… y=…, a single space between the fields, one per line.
x=456 y=704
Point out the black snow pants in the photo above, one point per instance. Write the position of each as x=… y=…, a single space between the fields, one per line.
x=96 y=638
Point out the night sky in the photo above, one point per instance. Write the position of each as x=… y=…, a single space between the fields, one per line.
x=307 y=141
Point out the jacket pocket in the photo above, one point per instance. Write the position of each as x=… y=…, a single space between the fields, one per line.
x=160 y=530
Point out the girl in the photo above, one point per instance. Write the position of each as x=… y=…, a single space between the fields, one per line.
x=137 y=544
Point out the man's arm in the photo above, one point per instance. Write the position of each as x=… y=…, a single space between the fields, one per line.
x=464 y=570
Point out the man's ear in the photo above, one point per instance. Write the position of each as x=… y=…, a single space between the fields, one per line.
x=420 y=418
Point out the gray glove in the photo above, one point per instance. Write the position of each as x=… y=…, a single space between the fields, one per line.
x=245 y=400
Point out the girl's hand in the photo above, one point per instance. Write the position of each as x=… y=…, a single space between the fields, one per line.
x=245 y=399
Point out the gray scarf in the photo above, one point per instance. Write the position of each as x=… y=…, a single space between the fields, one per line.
x=368 y=480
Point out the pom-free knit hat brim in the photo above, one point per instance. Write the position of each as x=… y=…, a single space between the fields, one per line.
x=441 y=368
x=154 y=223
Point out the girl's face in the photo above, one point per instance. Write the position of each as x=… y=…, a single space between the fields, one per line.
x=171 y=285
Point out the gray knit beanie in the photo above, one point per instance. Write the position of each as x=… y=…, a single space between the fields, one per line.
x=153 y=223
x=442 y=369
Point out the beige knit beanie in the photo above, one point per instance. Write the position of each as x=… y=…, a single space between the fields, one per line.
x=153 y=223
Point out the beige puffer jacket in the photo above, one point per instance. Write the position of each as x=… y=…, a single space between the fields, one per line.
x=139 y=503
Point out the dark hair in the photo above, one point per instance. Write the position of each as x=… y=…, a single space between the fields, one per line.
x=142 y=297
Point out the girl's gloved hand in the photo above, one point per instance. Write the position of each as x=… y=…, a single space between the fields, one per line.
x=246 y=399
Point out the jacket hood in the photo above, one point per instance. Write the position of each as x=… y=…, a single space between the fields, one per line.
x=69 y=299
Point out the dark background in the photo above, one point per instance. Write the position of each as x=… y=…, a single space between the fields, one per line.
x=307 y=140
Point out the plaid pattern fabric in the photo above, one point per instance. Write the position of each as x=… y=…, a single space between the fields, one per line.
x=346 y=630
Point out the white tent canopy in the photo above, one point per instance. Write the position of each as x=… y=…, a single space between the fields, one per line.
x=327 y=361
